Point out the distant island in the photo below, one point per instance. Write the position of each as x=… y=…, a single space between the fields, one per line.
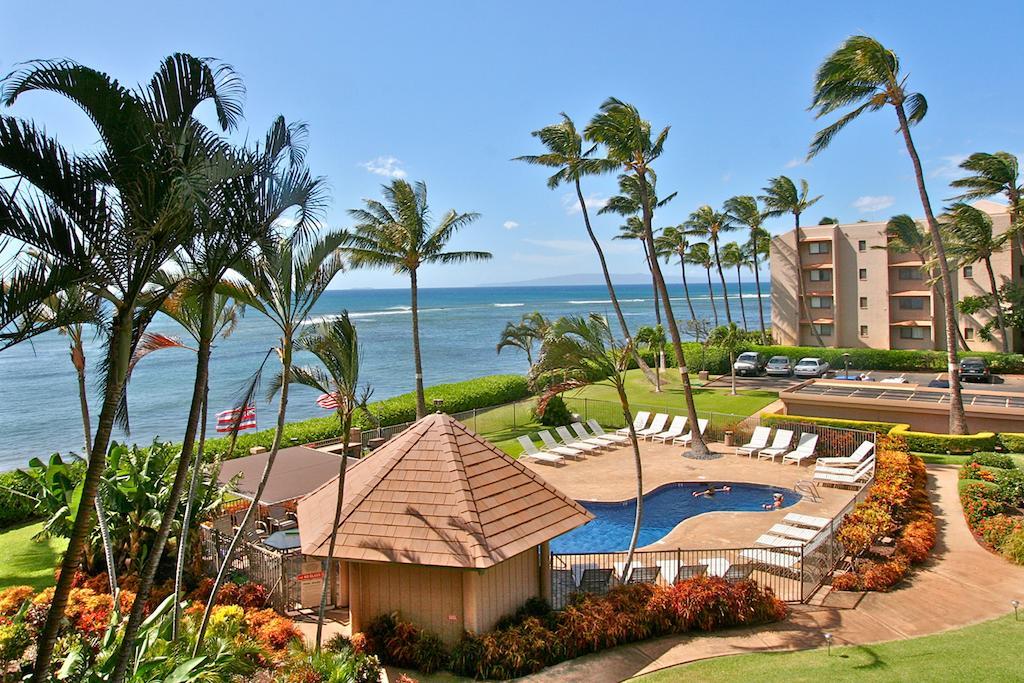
x=579 y=279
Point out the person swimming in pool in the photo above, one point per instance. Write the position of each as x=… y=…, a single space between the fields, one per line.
x=711 y=490
x=777 y=501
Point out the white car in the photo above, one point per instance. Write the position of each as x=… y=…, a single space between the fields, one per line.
x=810 y=367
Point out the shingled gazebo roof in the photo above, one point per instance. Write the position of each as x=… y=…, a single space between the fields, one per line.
x=439 y=495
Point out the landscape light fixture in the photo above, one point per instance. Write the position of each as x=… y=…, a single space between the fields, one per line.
x=828 y=643
x=846 y=366
x=1016 y=607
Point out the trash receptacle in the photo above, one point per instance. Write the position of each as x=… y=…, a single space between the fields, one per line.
x=727 y=439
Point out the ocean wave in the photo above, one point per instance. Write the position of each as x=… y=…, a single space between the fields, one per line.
x=605 y=301
x=507 y=305
x=394 y=310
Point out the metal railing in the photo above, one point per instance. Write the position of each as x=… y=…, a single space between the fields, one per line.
x=833 y=442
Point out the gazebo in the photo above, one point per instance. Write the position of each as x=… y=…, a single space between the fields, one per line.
x=440 y=526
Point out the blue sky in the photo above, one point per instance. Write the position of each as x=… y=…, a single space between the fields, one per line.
x=448 y=92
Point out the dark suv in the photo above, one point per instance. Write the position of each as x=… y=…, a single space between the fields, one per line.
x=975 y=369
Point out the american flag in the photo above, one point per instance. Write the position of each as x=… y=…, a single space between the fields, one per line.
x=226 y=419
x=328 y=401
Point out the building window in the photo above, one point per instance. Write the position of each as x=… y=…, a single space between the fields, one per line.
x=911 y=333
x=862 y=274
x=862 y=245
x=819 y=247
x=824 y=330
x=863 y=302
x=968 y=333
x=863 y=330
x=821 y=275
x=912 y=303
x=969 y=271
x=910 y=274
x=821 y=302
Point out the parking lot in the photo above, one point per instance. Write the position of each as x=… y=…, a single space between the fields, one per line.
x=1007 y=383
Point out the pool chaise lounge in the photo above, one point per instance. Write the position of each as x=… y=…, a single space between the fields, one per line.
x=758 y=440
x=777 y=541
x=796 y=519
x=530 y=451
x=804 y=449
x=674 y=430
x=599 y=432
x=855 y=458
x=780 y=444
x=838 y=476
x=639 y=422
x=657 y=426
x=685 y=439
x=771 y=557
x=794 y=532
x=584 y=435
x=588 y=444
x=552 y=446
x=638 y=573
x=673 y=571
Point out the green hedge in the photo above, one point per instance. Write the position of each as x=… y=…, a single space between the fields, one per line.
x=926 y=442
x=481 y=392
x=14 y=509
x=772 y=419
x=1012 y=442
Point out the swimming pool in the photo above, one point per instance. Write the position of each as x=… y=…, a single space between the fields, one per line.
x=664 y=508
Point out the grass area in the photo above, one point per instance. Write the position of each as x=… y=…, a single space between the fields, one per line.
x=976 y=653
x=26 y=561
x=936 y=459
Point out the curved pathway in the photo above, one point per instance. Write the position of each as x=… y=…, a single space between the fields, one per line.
x=961 y=584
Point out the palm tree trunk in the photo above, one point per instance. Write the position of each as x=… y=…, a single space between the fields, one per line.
x=998 y=304
x=346 y=425
x=800 y=286
x=118 y=356
x=760 y=302
x=627 y=413
x=739 y=286
x=711 y=292
x=421 y=403
x=654 y=286
x=247 y=519
x=721 y=278
x=651 y=377
x=957 y=416
x=697 y=444
x=732 y=372
x=686 y=287
x=149 y=569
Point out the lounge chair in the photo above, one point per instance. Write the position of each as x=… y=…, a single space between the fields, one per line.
x=552 y=446
x=794 y=532
x=599 y=432
x=674 y=430
x=780 y=444
x=804 y=449
x=584 y=435
x=771 y=558
x=758 y=440
x=639 y=422
x=855 y=458
x=674 y=572
x=530 y=451
x=596 y=581
x=777 y=541
x=572 y=442
x=796 y=519
x=657 y=426
x=686 y=438
x=738 y=572
x=846 y=477
x=638 y=573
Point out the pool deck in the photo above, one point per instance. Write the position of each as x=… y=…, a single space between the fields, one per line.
x=610 y=476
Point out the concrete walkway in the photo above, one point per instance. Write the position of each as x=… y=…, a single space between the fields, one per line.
x=962 y=584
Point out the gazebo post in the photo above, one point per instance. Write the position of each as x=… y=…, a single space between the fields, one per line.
x=545 y=571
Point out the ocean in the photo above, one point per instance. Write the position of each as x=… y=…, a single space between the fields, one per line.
x=459 y=329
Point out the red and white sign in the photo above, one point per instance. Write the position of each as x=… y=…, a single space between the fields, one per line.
x=311 y=576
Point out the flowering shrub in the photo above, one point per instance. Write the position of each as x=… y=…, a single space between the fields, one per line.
x=973 y=470
x=988 y=500
x=11 y=599
x=271 y=629
x=996 y=529
x=979 y=502
x=14 y=640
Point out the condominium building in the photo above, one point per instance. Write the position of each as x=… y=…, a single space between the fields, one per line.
x=859 y=293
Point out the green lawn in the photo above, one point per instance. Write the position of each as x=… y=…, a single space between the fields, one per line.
x=28 y=562
x=984 y=652
x=936 y=459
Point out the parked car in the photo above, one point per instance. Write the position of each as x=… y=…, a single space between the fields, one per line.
x=975 y=369
x=779 y=366
x=811 y=367
x=749 y=363
x=854 y=377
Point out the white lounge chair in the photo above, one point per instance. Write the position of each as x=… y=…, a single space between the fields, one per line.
x=657 y=426
x=581 y=432
x=686 y=438
x=572 y=442
x=758 y=440
x=639 y=422
x=854 y=459
x=780 y=444
x=530 y=451
x=795 y=532
x=599 y=432
x=771 y=557
x=674 y=430
x=552 y=446
x=844 y=476
x=777 y=541
x=796 y=519
x=804 y=449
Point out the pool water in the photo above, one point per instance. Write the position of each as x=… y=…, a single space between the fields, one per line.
x=664 y=508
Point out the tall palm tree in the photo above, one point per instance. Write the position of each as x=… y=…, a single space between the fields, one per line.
x=336 y=345
x=864 y=73
x=734 y=256
x=708 y=223
x=396 y=235
x=628 y=141
x=973 y=240
x=675 y=241
x=283 y=282
x=745 y=210
x=782 y=196
x=530 y=330
x=575 y=351
x=89 y=216
x=700 y=255
x=566 y=154
x=993 y=174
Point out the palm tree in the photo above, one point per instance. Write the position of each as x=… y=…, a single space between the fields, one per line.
x=745 y=210
x=782 y=196
x=336 y=345
x=734 y=256
x=283 y=281
x=729 y=338
x=972 y=241
x=865 y=73
x=87 y=216
x=993 y=174
x=530 y=329
x=565 y=152
x=700 y=255
x=706 y=222
x=674 y=241
x=396 y=234
x=576 y=350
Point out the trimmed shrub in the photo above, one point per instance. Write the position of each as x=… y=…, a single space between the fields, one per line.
x=14 y=509
x=926 y=442
x=1013 y=547
x=997 y=529
x=980 y=500
x=556 y=413
x=1003 y=462
x=1012 y=442
x=1010 y=487
x=772 y=419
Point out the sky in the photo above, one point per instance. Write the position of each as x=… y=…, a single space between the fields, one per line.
x=448 y=93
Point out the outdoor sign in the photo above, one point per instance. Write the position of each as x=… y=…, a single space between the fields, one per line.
x=310 y=583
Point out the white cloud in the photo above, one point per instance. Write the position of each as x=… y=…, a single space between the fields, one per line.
x=389 y=167
x=870 y=203
x=510 y=225
x=949 y=167
x=572 y=203
x=794 y=162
